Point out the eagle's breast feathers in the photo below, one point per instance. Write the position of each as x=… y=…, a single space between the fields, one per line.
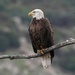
x=41 y=33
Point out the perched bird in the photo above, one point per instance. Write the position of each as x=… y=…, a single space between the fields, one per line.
x=41 y=35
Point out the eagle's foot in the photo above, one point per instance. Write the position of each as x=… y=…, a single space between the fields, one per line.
x=41 y=51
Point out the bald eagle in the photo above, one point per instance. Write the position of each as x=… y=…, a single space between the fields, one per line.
x=41 y=34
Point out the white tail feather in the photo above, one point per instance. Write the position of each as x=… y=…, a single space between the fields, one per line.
x=46 y=61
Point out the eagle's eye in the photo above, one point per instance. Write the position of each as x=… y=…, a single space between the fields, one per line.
x=34 y=12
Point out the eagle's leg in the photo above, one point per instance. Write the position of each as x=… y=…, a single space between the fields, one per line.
x=41 y=51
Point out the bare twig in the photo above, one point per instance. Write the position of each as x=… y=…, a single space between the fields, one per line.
x=54 y=47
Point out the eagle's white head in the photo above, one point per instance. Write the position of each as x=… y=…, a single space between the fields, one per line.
x=37 y=13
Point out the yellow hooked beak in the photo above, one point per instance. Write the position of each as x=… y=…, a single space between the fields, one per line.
x=30 y=14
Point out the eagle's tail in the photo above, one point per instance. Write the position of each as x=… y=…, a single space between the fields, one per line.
x=46 y=60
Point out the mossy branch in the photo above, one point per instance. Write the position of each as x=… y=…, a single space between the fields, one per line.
x=54 y=47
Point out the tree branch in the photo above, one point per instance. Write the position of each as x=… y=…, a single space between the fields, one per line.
x=54 y=47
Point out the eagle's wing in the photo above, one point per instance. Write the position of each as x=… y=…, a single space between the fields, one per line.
x=31 y=36
x=50 y=35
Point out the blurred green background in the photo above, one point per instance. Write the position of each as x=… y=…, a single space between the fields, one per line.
x=14 y=37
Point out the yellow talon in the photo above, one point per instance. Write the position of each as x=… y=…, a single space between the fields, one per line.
x=41 y=51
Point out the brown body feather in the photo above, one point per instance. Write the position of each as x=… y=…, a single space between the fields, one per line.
x=41 y=34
